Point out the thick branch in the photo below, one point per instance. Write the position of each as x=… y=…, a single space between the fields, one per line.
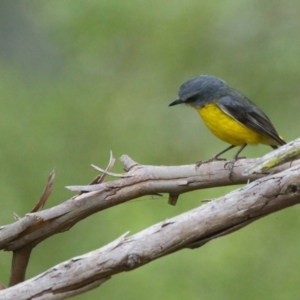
x=188 y=230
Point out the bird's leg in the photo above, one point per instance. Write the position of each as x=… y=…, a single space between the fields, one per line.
x=236 y=156
x=230 y=163
x=215 y=157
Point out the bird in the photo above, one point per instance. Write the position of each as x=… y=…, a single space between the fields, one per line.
x=228 y=114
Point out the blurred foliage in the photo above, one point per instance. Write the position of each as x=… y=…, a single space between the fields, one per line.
x=80 y=78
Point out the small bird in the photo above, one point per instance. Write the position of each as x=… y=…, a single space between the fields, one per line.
x=228 y=114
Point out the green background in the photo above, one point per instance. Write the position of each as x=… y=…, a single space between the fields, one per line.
x=81 y=78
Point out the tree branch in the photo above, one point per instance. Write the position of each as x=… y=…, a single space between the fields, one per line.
x=24 y=234
x=138 y=181
x=19 y=265
x=189 y=230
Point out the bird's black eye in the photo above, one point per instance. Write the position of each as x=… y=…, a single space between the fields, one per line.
x=191 y=99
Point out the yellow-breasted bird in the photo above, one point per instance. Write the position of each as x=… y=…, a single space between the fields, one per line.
x=228 y=114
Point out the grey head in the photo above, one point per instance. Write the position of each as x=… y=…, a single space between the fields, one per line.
x=200 y=90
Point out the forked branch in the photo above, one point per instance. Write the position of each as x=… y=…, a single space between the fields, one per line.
x=264 y=195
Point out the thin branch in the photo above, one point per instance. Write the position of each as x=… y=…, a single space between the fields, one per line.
x=109 y=173
x=46 y=193
x=21 y=256
x=100 y=178
x=19 y=265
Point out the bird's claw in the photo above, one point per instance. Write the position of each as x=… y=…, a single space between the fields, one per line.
x=202 y=162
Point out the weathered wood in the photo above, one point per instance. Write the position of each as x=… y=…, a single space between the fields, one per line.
x=188 y=230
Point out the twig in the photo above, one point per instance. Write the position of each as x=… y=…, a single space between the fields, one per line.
x=100 y=178
x=46 y=193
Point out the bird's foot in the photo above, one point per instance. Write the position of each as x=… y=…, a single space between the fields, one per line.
x=230 y=165
x=202 y=162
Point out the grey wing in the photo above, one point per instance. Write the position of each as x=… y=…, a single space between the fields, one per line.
x=249 y=115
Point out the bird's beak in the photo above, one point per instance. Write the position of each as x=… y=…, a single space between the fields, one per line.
x=175 y=102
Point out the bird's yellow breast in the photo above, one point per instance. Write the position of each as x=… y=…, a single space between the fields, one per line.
x=229 y=130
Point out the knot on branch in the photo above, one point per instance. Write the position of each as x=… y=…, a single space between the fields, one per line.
x=293 y=188
x=128 y=163
x=133 y=261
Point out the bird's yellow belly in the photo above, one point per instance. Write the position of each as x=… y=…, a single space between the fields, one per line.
x=227 y=129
